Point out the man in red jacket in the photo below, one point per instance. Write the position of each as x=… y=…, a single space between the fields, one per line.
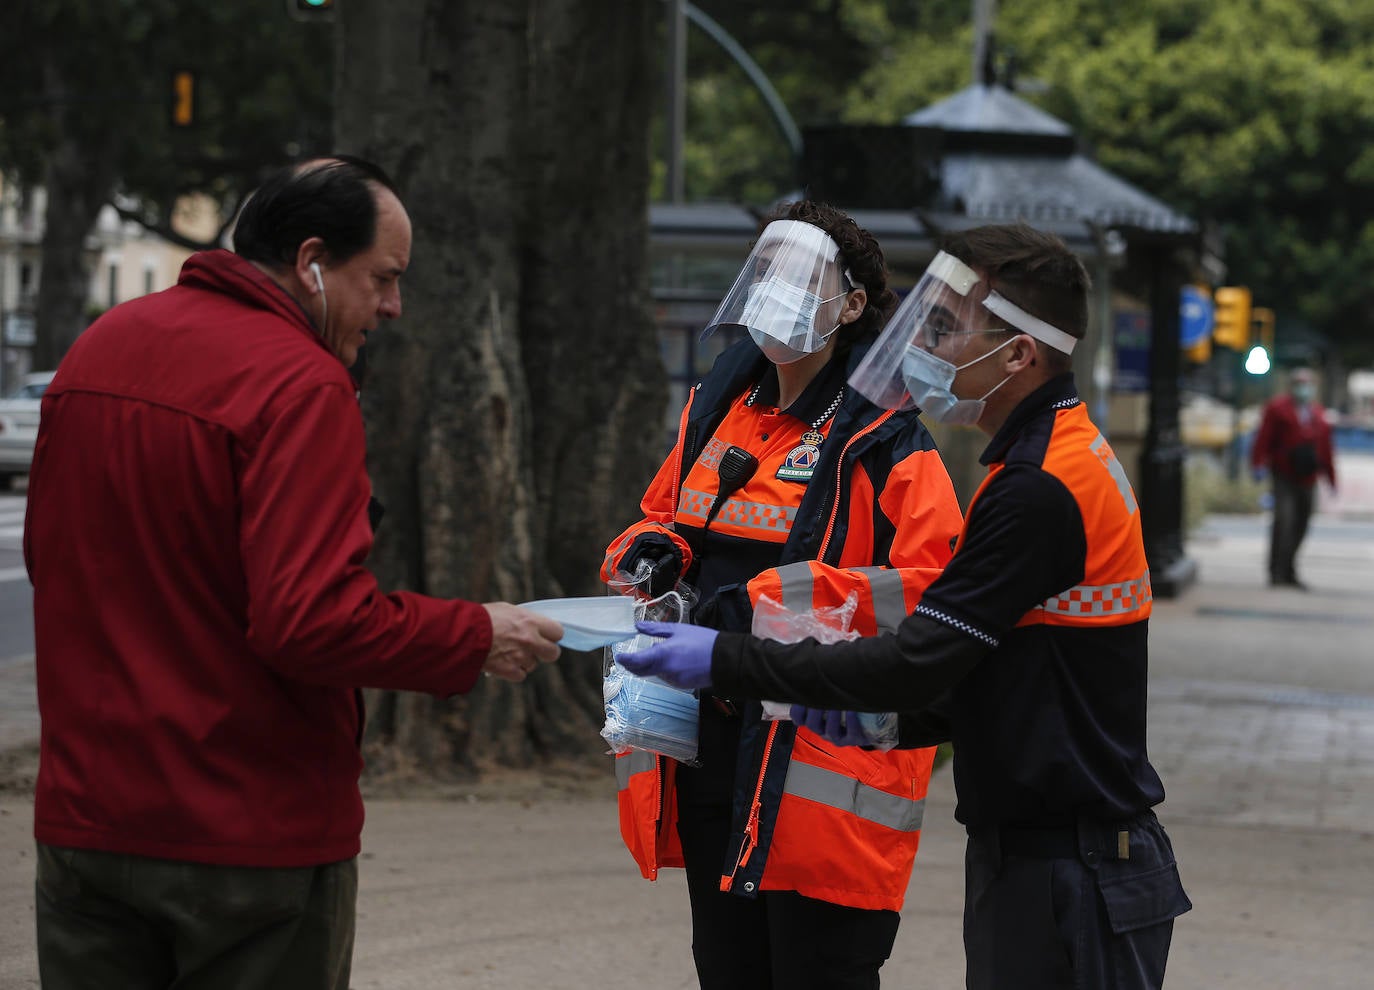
x=197 y=538
x=1294 y=443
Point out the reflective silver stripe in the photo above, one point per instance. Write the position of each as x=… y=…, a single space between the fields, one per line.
x=798 y=586
x=694 y=503
x=848 y=795
x=627 y=766
x=1104 y=453
x=889 y=602
x=758 y=515
x=1102 y=599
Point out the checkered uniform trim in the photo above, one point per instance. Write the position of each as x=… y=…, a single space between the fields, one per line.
x=739 y=513
x=946 y=619
x=1102 y=599
x=695 y=503
x=758 y=515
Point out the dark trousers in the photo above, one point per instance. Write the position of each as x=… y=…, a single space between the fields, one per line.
x=1071 y=919
x=779 y=939
x=1293 y=502
x=109 y=920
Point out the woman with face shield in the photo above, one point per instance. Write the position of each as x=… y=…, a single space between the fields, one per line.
x=788 y=484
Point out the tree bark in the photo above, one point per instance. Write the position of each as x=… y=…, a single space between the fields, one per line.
x=79 y=177
x=514 y=412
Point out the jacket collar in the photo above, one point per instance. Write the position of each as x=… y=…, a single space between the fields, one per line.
x=816 y=398
x=1058 y=393
x=742 y=365
x=227 y=273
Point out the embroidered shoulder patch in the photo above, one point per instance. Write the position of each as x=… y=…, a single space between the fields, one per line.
x=801 y=462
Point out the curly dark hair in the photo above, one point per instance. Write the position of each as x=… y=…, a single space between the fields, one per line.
x=859 y=253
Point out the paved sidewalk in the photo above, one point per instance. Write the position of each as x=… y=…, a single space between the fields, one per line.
x=1262 y=726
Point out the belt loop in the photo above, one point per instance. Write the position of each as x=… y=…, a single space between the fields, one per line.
x=1089 y=844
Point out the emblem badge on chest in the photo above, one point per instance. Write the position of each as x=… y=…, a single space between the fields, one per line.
x=801 y=459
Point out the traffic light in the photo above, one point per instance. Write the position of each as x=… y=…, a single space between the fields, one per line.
x=311 y=10
x=1261 y=356
x=182 y=112
x=1263 y=320
x=1231 y=317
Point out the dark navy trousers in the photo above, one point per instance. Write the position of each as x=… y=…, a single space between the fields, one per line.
x=1061 y=909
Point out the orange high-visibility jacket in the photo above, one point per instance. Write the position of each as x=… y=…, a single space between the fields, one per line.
x=877 y=517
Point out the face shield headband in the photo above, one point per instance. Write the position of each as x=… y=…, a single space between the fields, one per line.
x=899 y=371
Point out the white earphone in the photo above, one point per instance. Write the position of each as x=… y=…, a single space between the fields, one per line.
x=319 y=279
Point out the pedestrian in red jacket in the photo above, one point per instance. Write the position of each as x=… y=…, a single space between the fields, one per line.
x=1294 y=443
x=197 y=538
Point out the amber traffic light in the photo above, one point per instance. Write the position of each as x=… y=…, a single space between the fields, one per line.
x=1231 y=316
x=183 y=110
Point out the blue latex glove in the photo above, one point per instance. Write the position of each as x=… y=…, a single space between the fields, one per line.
x=683 y=658
x=840 y=727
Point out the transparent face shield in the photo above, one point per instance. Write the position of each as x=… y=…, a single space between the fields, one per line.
x=944 y=303
x=790 y=292
x=916 y=358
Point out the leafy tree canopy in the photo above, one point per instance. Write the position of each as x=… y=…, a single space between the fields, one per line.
x=1251 y=114
x=99 y=72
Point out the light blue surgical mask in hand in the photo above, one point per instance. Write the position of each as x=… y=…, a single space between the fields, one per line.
x=929 y=379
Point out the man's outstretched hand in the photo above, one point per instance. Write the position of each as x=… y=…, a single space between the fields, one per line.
x=682 y=657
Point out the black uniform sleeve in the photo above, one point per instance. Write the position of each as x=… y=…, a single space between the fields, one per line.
x=1024 y=542
x=899 y=671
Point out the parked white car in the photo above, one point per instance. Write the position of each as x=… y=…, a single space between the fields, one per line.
x=19 y=426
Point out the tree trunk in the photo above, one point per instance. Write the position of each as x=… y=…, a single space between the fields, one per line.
x=507 y=410
x=79 y=177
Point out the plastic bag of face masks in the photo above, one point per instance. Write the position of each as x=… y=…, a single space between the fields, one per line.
x=825 y=625
x=644 y=712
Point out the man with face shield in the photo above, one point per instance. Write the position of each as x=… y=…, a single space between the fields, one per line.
x=786 y=482
x=1028 y=652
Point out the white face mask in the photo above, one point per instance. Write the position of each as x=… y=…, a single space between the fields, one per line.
x=781 y=319
x=929 y=379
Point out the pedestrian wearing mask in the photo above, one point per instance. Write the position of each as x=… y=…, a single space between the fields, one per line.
x=788 y=483
x=1028 y=652
x=1294 y=443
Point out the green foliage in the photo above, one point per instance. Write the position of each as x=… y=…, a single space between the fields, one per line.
x=98 y=72
x=1252 y=115
x=1208 y=488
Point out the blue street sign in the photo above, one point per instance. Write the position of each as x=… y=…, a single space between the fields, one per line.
x=1194 y=316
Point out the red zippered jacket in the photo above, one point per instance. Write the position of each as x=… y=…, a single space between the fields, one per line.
x=197 y=535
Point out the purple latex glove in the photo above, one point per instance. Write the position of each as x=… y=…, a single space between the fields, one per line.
x=683 y=658
x=840 y=727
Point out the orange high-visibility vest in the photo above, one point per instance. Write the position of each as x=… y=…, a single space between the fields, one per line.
x=841 y=824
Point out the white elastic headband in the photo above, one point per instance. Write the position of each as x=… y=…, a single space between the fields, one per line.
x=953 y=272
x=1032 y=325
